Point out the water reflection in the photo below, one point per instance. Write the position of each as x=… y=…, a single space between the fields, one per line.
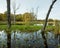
x=24 y=40
x=3 y=39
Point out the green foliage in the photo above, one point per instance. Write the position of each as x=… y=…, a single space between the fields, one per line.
x=3 y=27
x=3 y=17
x=23 y=28
x=27 y=28
x=50 y=28
x=19 y=17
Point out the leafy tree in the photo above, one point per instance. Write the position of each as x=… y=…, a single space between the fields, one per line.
x=12 y=16
x=19 y=17
x=1 y=16
x=50 y=20
x=28 y=17
x=5 y=16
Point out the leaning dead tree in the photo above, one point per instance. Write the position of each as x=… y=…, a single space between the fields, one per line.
x=45 y=24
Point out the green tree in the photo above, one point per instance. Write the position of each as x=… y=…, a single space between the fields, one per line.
x=19 y=17
x=5 y=16
x=50 y=20
x=28 y=17
x=1 y=16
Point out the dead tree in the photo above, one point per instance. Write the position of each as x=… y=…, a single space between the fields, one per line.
x=9 y=24
x=15 y=8
x=8 y=13
x=45 y=24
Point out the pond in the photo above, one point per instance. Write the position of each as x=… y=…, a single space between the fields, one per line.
x=25 y=40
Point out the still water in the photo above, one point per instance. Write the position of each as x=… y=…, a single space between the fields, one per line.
x=25 y=40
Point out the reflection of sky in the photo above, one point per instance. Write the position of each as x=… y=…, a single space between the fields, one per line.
x=26 y=35
x=26 y=5
x=23 y=36
x=3 y=39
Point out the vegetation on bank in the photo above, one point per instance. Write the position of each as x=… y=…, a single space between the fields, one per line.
x=26 y=28
x=23 y=28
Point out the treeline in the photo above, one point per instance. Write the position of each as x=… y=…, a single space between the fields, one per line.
x=18 y=17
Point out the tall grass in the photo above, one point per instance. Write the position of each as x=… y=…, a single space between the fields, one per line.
x=23 y=28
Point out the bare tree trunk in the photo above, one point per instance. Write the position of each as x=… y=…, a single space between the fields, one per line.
x=43 y=30
x=8 y=13
x=9 y=25
x=14 y=39
x=14 y=17
x=15 y=8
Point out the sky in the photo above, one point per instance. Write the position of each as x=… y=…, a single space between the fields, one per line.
x=28 y=5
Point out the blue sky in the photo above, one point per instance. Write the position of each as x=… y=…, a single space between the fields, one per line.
x=27 y=5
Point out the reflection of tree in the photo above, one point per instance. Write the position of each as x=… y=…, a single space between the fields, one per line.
x=43 y=30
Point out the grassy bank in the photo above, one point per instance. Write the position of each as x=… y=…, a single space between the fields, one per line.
x=23 y=28
x=26 y=28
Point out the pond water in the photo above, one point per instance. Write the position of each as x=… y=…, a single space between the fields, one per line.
x=25 y=40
